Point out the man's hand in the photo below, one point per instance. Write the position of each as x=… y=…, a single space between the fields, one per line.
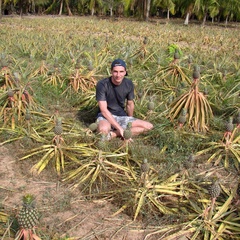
x=121 y=130
x=130 y=140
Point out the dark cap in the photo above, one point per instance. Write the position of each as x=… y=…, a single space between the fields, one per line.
x=118 y=62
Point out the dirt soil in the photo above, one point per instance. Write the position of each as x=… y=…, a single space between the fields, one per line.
x=63 y=212
x=67 y=213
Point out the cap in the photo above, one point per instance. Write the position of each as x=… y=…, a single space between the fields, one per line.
x=118 y=62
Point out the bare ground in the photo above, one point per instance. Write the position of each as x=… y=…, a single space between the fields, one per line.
x=63 y=212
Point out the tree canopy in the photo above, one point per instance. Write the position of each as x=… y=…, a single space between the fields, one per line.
x=202 y=10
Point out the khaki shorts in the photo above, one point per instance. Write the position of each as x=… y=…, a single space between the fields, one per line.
x=121 y=120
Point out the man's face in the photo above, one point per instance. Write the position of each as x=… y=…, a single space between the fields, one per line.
x=118 y=74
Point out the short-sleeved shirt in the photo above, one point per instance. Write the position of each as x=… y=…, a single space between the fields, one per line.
x=115 y=95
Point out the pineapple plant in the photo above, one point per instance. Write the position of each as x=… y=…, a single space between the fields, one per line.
x=197 y=105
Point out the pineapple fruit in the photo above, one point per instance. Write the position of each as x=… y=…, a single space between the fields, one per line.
x=238 y=119
x=27 y=115
x=145 y=40
x=238 y=189
x=127 y=134
x=93 y=126
x=151 y=104
x=145 y=166
x=58 y=127
x=229 y=127
x=176 y=55
x=189 y=163
x=102 y=142
x=214 y=189
x=196 y=72
x=10 y=93
x=183 y=117
x=28 y=215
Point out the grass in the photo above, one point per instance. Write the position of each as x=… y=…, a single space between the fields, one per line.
x=59 y=60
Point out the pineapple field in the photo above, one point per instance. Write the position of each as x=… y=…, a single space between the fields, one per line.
x=60 y=179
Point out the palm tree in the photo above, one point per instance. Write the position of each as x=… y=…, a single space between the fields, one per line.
x=202 y=7
x=67 y=5
x=112 y=5
x=55 y=4
x=230 y=9
x=0 y=9
x=38 y=3
x=186 y=8
x=214 y=10
x=143 y=8
x=166 y=4
x=95 y=5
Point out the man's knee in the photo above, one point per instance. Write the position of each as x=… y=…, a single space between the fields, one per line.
x=104 y=127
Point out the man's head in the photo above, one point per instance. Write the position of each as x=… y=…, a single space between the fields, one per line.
x=118 y=62
x=118 y=70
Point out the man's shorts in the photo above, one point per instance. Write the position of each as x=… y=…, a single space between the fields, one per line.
x=121 y=120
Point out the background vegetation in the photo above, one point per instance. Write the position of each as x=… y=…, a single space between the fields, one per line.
x=203 y=10
x=189 y=74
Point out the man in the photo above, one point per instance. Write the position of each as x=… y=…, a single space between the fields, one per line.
x=112 y=94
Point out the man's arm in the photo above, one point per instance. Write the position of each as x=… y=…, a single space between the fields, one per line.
x=105 y=112
x=130 y=108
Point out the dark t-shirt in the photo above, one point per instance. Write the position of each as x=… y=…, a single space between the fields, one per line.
x=115 y=95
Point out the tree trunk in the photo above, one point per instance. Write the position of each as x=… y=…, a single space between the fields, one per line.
x=68 y=9
x=148 y=4
x=61 y=7
x=204 y=19
x=111 y=11
x=92 y=11
x=168 y=14
x=226 y=21
x=187 y=19
x=33 y=7
x=21 y=8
